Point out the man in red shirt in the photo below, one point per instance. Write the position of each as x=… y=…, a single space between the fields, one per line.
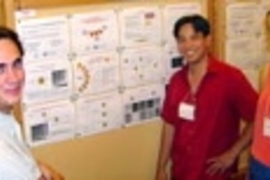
x=204 y=104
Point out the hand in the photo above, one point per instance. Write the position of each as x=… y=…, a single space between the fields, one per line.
x=48 y=173
x=162 y=175
x=220 y=163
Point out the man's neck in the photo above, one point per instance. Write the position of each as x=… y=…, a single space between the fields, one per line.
x=199 y=68
x=5 y=110
x=196 y=73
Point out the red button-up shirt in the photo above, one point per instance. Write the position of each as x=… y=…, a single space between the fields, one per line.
x=222 y=99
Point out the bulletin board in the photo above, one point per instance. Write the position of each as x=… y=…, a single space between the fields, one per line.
x=240 y=39
x=239 y=34
x=94 y=102
x=96 y=68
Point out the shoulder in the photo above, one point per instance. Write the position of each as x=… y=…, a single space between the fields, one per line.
x=178 y=75
x=230 y=72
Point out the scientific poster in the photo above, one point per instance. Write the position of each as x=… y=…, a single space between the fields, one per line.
x=242 y=52
x=44 y=39
x=142 y=103
x=173 y=61
x=242 y=20
x=96 y=73
x=97 y=114
x=142 y=66
x=49 y=81
x=94 y=32
x=140 y=26
x=172 y=13
x=49 y=123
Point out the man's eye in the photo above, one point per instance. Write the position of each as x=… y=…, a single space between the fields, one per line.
x=18 y=63
x=2 y=68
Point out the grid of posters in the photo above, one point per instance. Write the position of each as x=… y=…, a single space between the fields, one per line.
x=244 y=37
x=97 y=71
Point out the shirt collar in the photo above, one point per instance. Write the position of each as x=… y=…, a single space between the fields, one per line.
x=212 y=67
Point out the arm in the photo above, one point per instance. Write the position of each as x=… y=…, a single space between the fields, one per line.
x=244 y=100
x=164 y=153
x=225 y=160
x=48 y=173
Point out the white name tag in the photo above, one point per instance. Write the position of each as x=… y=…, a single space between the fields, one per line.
x=186 y=111
x=266 y=126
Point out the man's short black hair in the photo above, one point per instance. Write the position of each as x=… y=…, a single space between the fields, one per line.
x=198 y=22
x=9 y=34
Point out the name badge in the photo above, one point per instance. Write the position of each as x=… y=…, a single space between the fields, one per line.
x=266 y=126
x=186 y=111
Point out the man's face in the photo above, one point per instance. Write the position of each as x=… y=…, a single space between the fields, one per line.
x=11 y=74
x=192 y=45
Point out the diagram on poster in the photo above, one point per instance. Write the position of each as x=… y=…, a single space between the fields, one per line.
x=44 y=39
x=96 y=73
x=142 y=103
x=47 y=82
x=172 y=13
x=99 y=113
x=48 y=123
x=94 y=32
x=241 y=20
x=140 y=26
x=142 y=66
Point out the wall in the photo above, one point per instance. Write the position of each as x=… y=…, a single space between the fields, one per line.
x=126 y=154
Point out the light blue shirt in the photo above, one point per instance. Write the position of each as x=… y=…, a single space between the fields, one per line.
x=16 y=161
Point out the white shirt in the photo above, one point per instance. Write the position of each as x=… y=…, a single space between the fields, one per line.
x=16 y=161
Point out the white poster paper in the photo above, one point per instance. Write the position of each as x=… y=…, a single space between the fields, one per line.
x=140 y=26
x=172 y=13
x=242 y=52
x=47 y=81
x=96 y=73
x=173 y=61
x=44 y=39
x=94 y=32
x=99 y=113
x=242 y=20
x=142 y=103
x=48 y=123
x=142 y=66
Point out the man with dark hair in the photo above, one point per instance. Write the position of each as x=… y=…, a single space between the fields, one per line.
x=16 y=161
x=204 y=104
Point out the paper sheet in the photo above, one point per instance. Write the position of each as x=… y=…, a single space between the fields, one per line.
x=44 y=39
x=242 y=52
x=142 y=66
x=173 y=61
x=48 y=123
x=140 y=26
x=99 y=113
x=96 y=73
x=172 y=13
x=94 y=32
x=47 y=81
x=242 y=20
x=142 y=103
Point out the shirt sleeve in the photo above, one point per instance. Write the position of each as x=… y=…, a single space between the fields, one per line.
x=168 y=112
x=15 y=164
x=244 y=97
